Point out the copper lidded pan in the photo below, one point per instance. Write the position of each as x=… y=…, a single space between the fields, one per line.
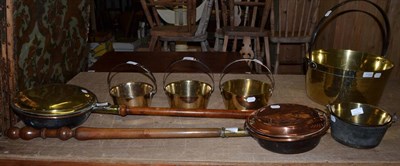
x=287 y=128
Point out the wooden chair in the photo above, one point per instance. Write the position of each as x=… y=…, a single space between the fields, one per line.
x=172 y=33
x=220 y=22
x=246 y=20
x=292 y=23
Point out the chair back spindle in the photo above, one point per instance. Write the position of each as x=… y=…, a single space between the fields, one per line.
x=292 y=22
x=185 y=30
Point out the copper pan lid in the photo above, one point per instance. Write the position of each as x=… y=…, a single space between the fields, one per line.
x=287 y=121
x=54 y=100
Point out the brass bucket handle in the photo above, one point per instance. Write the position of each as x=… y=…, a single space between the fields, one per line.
x=322 y=21
x=269 y=75
x=192 y=59
x=147 y=73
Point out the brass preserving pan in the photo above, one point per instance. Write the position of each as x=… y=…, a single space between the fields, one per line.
x=247 y=93
x=132 y=93
x=188 y=94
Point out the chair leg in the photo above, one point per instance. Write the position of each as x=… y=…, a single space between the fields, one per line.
x=224 y=47
x=277 y=58
x=267 y=52
x=153 y=42
x=258 y=50
x=165 y=45
x=305 y=52
x=205 y=46
x=220 y=44
x=172 y=46
x=216 y=45
x=258 y=53
x=234 y=47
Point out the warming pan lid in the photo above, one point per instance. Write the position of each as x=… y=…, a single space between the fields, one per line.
x=288 y=121
x=54 y=100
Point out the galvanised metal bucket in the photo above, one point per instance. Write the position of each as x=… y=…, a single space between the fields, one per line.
x=335 y=76
x=188 y=94
x=133 y=93
x=245 y=94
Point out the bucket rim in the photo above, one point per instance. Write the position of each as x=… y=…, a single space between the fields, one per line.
x=350 y=73
x=336 y=51
x=151 y=92
x=384 y=125
x=199 y=82
x=223 y=89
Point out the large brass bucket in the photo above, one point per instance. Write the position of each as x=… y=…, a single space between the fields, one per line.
x=337 y=76
x=247 y=93
x=132 y=93
x=188 y=94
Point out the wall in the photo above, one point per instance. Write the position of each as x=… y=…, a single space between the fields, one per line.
x=42 y=41
x=50 y=40
x=394 y=47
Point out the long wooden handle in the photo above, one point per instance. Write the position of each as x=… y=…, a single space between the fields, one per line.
x=207 y=113
x=163 y=111
x=88 y=133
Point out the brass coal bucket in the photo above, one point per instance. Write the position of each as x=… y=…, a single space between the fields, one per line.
x=132 y=93
x=247 y=93
x=188 y=94
x=336 y=76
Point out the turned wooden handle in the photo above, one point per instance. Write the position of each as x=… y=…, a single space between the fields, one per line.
x=88 y=133
x=206 y=113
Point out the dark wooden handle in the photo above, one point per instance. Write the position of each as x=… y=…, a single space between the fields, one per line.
x=88 y=133
x=206 y=113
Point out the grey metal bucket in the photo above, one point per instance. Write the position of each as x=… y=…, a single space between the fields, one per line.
x=359 y=125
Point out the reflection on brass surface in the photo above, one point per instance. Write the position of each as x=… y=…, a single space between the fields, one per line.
x=133 y=94
x=243 y=94
x=54 y=99
x=335 y=76
x=369 y=115
x=188 y=94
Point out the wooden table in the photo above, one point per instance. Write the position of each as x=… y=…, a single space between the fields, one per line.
x=196 y=151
